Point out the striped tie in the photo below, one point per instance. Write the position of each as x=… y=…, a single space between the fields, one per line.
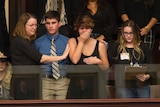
x=55 y=66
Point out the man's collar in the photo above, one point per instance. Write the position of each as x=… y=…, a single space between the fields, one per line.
x=52 y=37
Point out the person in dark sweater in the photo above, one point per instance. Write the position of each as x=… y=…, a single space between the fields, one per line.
x=103 y=16
x=145 y=13
x=129 y=50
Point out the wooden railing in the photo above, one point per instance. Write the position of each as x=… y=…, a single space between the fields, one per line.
x=82 y=103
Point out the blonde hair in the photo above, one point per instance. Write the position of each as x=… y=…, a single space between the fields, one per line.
x=136 y=40
x=20 y=26
x=7 y=79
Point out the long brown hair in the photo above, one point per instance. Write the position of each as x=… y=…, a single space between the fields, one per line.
x=136 y=41
x=20 y=26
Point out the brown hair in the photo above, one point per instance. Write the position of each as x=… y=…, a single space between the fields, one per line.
x=20 y=26
x=84 y=21
x=52 y=15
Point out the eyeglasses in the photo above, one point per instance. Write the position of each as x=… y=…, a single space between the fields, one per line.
x=32 y=25
x=128 y=33
x=2 y=60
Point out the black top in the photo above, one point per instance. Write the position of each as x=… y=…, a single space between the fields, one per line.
x=104 y=19
x=112 y=53
x=137 y=11
x=119 y=65
x=95 y=53
x=23 y=52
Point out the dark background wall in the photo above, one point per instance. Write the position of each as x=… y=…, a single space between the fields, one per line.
x=17 y=7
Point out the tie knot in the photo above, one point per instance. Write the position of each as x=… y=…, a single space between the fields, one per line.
x=52 y=41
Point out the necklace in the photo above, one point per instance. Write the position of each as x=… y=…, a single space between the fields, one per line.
x=131 y=58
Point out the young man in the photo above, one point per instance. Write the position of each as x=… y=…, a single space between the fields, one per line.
x=53 y=87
